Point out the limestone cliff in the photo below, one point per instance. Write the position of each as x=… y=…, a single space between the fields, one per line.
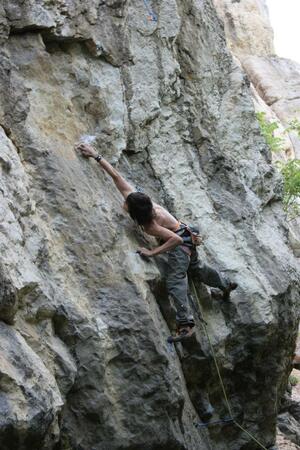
x=84 y=320
x=275 y=81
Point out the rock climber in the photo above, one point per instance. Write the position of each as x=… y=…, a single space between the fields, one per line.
x=176 y=239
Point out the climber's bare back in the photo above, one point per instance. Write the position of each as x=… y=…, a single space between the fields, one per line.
x=163 y=225
x=164 y=218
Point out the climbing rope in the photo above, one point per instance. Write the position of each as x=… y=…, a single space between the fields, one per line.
x=152 y=17
x=218 y=371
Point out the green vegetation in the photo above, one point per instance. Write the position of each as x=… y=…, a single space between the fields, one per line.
x=293 y=380
x=267 y=128
x=290 y=170
x=291 y=178
x=294 y=125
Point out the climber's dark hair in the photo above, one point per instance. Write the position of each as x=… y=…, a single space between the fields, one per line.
x=140 y=208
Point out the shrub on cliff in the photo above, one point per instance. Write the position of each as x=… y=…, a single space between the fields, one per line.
x=290 y=170
x=291 y=176
x=267 y=129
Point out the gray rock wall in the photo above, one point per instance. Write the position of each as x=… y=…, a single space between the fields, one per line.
x=276 y=80
x=84 y=360
x=247 y=26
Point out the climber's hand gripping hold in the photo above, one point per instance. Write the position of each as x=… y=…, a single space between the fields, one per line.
x=87 y=150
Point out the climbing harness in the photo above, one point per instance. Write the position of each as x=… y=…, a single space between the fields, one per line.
x=189 y=235
x=152 y=17
x=253 y=438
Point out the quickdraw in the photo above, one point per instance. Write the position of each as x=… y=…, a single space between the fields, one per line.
x=213 y=422
x=152 y=17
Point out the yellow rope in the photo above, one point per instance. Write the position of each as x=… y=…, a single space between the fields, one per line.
x=219 y=373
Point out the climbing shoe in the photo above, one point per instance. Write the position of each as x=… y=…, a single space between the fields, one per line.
x=185 y=321
x=223 y=294
x=226 y=292
x=183 y=333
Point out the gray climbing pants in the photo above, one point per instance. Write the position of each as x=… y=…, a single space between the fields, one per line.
x=179 y=264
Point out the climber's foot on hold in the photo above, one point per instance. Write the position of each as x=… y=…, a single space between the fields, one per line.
x=228 y=289
x=223 y=294
x=183 y=333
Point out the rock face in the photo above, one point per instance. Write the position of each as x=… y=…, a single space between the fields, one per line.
x=247 y=26
x=276 y=80
x=84 y=359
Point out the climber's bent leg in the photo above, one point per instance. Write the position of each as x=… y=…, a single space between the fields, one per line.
x=177 y=284
x=205 y=273
x=209 y=276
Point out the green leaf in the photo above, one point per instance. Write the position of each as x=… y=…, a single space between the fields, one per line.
x=290 y=170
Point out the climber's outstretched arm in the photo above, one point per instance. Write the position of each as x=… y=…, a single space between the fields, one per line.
x=171 y=240
x=121 y=184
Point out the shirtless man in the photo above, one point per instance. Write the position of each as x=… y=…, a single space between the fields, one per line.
x=176 y=240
